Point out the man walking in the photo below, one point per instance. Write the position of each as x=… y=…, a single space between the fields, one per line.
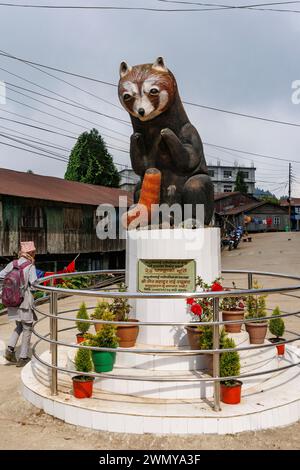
x=18 y=276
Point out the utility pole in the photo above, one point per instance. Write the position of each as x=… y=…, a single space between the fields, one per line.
x=290 y=192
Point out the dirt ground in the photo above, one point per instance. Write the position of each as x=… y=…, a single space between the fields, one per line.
x=23 y=426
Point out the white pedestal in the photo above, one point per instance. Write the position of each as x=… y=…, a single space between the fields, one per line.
x=201 y=245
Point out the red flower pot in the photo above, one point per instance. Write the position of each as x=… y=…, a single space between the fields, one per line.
x=82 y=386
x=231 y=394
x=80 y=338
x=280 y=349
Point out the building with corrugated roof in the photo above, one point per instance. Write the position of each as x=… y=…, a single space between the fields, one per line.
x=295 y=211
x=60 y=216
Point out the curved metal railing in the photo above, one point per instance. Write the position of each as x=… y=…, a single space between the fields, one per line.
x=54 y=316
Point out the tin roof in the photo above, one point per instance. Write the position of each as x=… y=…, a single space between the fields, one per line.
x=17 y=183
x=219 y=196
x=250 y=206
x=295 y=201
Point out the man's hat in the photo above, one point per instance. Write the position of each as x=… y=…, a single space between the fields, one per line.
x=27 y=247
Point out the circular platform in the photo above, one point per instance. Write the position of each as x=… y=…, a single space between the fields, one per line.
x=278 y=405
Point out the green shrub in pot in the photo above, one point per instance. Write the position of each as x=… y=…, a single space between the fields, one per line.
x=105 y=338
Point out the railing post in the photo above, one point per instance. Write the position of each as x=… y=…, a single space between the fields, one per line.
x=216 y=356
x=53 y=336
x=250 y=281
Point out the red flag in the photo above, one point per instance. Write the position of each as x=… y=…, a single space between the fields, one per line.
x=70 y=268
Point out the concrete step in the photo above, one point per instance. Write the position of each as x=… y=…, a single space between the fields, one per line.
x=274 y=402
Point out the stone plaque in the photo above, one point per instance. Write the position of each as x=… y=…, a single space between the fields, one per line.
x=166 y=275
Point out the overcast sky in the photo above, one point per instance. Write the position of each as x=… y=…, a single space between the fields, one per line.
x=243 y=61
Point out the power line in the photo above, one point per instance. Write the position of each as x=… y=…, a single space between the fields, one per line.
x=58 y=100
x=38 y=121
x=58 y=94
x=21 y=141
x=49 y=130
x=52 y=115
x=235 y=113
x=189 y=103
x=3 y=53
x=239 y=7
x=251 y=153
x=59 y=109
x=70 y=104
x=74 y=104
x=112 y=8
x=35 y=139
x=31 y=151
x=118 y=8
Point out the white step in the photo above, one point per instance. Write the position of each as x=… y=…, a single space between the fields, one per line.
x=276 y=402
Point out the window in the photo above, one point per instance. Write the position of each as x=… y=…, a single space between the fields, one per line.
x=227 y=174
x=211 y=173
x=297 y=210
x=227 y=188
x=245 y=174
x=32 y=217
x=276 y=220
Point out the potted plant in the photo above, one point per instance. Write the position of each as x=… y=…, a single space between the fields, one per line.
x=277 y=327
x=101 y=312
x=127 y=334
x=82 y=327
x=206 y=342
x=105 y=338
x=256 y=307
x=230 y=367
x=83 y=384
x=200 y=309
x=233 y=308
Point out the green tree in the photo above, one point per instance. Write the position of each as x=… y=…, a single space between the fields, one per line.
x=271 y=199
x=240 y=184
x=90 y=162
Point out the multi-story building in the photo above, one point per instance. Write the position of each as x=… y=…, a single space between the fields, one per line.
x=224 y=177
x=128 y=179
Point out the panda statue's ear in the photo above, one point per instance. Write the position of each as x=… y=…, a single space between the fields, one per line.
x=124 y=69
x=159 y=64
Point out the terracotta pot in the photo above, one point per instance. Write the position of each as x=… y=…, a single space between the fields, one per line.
x=98 y=326
x=79 y=338
x=257 y=332
x=82 y=386
x=229 y=315
x=193 y=335
x=280 y=347
x=128 y=334
x=231 y=394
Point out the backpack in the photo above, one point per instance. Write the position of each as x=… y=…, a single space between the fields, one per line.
x=14 y=285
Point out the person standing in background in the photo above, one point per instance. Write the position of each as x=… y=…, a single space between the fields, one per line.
x=23 y=314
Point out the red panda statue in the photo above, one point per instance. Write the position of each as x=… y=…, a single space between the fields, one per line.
x=164 y=142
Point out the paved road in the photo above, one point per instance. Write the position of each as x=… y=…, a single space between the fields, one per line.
x=23 y=426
